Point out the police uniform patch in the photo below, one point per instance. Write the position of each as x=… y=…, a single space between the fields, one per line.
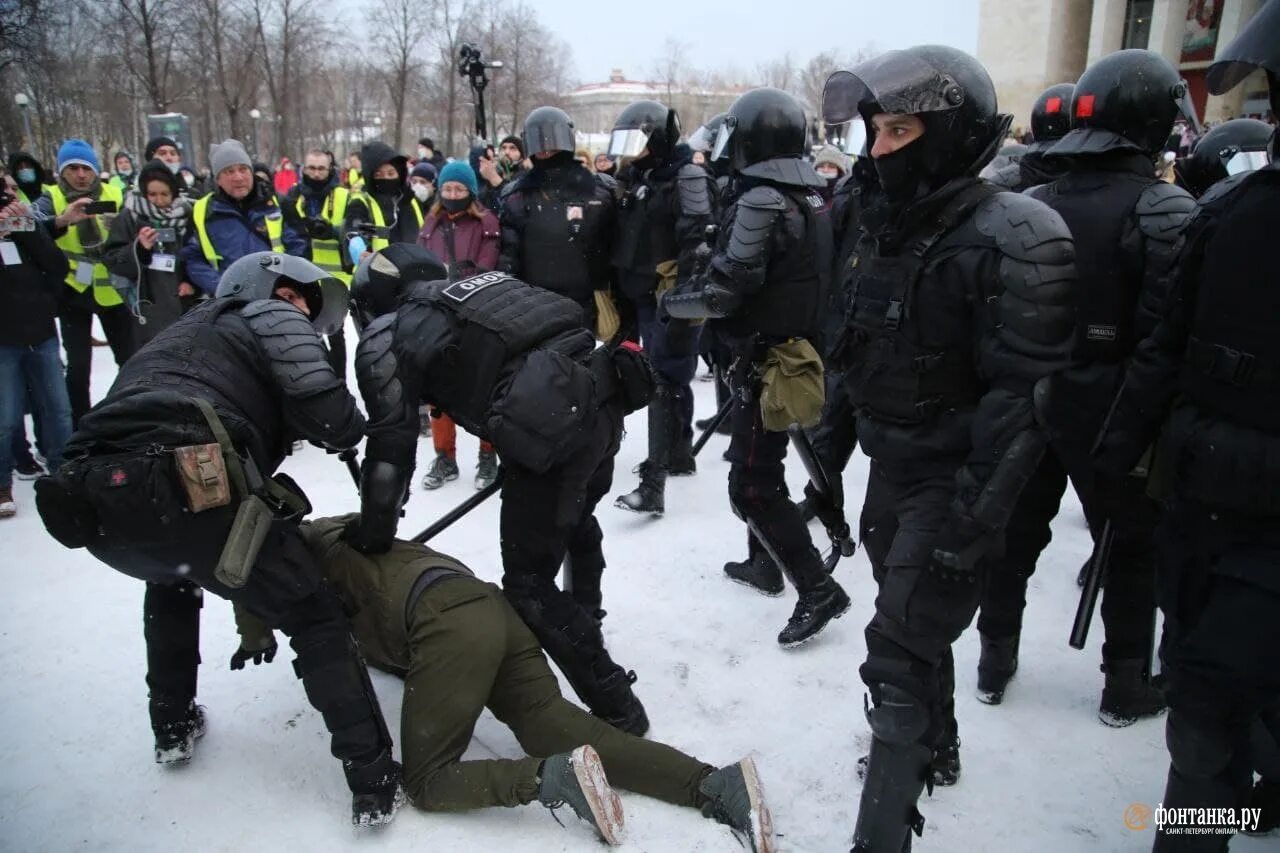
x=461 y=291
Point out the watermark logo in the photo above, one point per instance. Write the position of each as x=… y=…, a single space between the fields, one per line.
x=1191 y=821
x=1137 y=816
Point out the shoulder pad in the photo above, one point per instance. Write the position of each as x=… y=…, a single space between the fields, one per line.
x=1222 y=189
x=377 y=370
x=1162 y=211
x=1007 y=176
x=752 y=226
x=295 y=355
x=695 y=199
x=1024 y=229
x=763 y=197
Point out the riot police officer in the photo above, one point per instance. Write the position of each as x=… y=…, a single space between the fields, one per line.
x=665 y=208
x=961 y=306
x=1235 y=146
x=1125 y=222
x=514 y=365
x=228 y=386
x=1210 y=376
x=1050 y=121
x=763 y=288
x=558 y=218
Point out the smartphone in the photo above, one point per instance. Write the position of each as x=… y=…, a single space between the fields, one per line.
x=95 y=207
x=166 y=235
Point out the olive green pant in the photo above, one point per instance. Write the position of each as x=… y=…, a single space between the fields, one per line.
x=468 y=649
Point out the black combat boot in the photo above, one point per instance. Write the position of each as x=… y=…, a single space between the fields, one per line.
x=376 y=794
x=996 y=666
x=815 y=608
x=758 y=571
x=681 y=462
x=648 y=497
x=617 y=704
x=945 y=766
x=176 y=730
x=1129 y=694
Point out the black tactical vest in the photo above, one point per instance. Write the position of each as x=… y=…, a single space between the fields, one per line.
x=561 y=247
x=1233 y=356
x=195 y=357
x=911 y=354
x=496 y=319
x=646 y=231
x=1097 y=206
x=797 y=276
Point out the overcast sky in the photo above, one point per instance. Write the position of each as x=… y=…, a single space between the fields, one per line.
x=723 y=33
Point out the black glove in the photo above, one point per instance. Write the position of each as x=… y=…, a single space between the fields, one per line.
x=319 y=229
x=960 y=545
x=259 y=656
x=358 y=536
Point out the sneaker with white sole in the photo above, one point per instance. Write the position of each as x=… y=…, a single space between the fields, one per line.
x=577 y=779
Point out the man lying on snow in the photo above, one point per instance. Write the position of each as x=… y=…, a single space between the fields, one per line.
x=460 y=647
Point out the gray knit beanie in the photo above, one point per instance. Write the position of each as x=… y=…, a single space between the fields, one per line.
x=228 y=152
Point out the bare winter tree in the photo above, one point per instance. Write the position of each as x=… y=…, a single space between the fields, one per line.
x=670 y=69
x=148 y=34
x=402 y=27
x=227 y=35
x=286 y=30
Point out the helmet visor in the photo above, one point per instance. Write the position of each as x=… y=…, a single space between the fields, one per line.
x=628 y=143
x=897 y=82
x=721 y=149
x=1246 y=161
x=548 y=136
x=702 y=139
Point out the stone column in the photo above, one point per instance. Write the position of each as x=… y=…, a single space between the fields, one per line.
x=1106 y=28
x=1235 y=14
x=1168 y=25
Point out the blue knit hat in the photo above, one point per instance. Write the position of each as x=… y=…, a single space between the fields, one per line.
x=462 y=173
x=77 y=152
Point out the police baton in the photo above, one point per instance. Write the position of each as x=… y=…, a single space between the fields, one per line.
x=832 y=513
x=1092 y=586
x=461 y=509
x=713 y=426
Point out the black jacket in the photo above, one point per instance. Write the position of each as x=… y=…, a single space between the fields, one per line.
x=29 y=294
x=262 y=366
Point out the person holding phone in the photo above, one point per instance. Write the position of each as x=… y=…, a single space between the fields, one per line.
x=77 y=212
x=142 y=249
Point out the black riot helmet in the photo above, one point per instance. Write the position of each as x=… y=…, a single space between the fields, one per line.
x=1127 y=100
x=946 y=88
x=258 y=275
x=645 y=124
x=383 y=277
x=1235 y=146
x=1257 y=46
x=1051 y=115
x=704 y=138
x=762 y=124
x=548 y=129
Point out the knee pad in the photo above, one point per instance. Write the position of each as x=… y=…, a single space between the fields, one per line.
x=897 y=717
x=1196 y=749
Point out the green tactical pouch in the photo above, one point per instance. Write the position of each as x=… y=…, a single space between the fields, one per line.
x=248 y=532
x=792 y=389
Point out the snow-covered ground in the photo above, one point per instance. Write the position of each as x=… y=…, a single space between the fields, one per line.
x=1040 y=772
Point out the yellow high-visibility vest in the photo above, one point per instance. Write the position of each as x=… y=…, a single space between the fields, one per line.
x=200 y=213
x=377 y=244
x=327 y=254
x=103 y=293
x=355 y=180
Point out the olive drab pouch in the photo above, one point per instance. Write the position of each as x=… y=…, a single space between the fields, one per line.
x=792 y=389
x=248 y=532
x=203 y=472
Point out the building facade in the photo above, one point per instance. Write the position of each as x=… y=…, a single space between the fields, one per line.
x=595 y=106
x=1029 y=45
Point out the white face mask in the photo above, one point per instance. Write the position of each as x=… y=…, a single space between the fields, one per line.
x=174 y=167
x=189 y=179
x=423 y=153
x=422 y=191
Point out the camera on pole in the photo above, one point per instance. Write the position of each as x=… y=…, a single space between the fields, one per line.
x=472 y=66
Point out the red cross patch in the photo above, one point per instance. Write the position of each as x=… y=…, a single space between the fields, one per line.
x=118 y=477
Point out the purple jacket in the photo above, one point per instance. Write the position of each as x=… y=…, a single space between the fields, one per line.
x=466 y=244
